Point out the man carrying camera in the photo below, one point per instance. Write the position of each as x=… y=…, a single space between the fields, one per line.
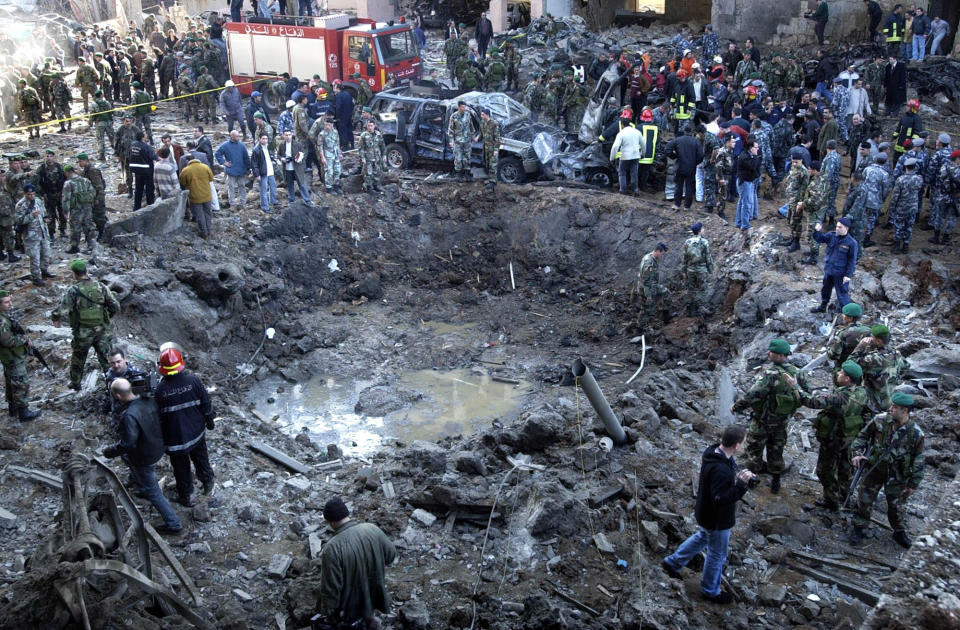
x=120 y=368
x=722 y=484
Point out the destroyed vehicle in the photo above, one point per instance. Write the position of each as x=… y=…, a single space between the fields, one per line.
x=415 y=129
x=609 y=97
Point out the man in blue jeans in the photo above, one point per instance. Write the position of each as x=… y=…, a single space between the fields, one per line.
x=141 y=441
x=721 y=486
x=839 y=264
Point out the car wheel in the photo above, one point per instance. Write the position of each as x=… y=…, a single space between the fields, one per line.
x=599 y=177
x=398 y=158
x=269 y=102
x=510 y=170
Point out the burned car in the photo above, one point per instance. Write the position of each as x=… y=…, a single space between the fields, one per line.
x=415 y=130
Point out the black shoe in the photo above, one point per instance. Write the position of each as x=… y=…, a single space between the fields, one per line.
x=39 y=282
x=11 y=257
x=935 y=239
x=26 y=414
x=809 y=260
x=785 y=240
x=868 y=243
x=208 y=487
x=794 y=245
x=904 y=247
x=856 y=536
x=819 y=309
x=901 y=538
x=775 y=484
x=724 y=598
x=896 y=246
x=670 y=570
x=47 y=274
x=166 y=530
x=828 y=504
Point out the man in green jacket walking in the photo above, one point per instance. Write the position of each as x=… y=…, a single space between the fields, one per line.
x=352 y=569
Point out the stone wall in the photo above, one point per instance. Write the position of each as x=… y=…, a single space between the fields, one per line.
x=697 y=11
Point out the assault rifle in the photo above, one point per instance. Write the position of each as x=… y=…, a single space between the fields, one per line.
x=19 y=330
x=857 y=477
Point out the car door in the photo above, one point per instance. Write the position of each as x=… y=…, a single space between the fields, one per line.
x=431 y=133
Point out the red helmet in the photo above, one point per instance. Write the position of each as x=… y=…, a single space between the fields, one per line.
x=752 y=91
x=646 y=116
x=913 y=103
x=321 y=92
x=170 y=362
x=626 y=114
x=682 y=74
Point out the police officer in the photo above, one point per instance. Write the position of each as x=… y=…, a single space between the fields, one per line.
x=87 y=306
x=904 y=206
x=14 y=346
x=697 y=267
x=773 y=398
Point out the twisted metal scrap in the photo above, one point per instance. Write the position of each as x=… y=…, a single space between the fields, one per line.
x=83 y=554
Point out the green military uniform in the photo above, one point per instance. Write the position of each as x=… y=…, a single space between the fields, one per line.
x=49 y=180
x=490 y=136
x=28 y=101
x=373 y=154
x=471 y=78
x=651 y=292
x=88 y=307
x=208 y=100
x=148 y=76
x=328 y=146
x=95 y=176
x=839 y=422
x=815 y=205
x=797 y=182
x=460 y=133
x=186 y=86
x=61 y=98
x=124 y=77
x=102 y=117
x=142 y=110
x=697 y=267
x=512 y=59
x=895 y=464
x=883 y=366
x=364 y=95
x=301 y=124
x=79 y=196
x=105 y=73
x=452 y=50
x=575 y=101
x=13 y=356
x=6 y=223
x=30 y=221
x=772 y=400
x=847 y=336
x=724 y=168
x=86 y=80
x=873 y=81
x=125 y=137
x=496 y=73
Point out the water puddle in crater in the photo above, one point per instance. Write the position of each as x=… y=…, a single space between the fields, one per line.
x=432 y=404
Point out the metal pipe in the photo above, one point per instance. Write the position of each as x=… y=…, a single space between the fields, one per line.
x=585 y=379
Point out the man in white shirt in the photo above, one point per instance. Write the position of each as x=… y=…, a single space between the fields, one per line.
x=262 y=164
x=291 y=155
x=858 y=103
x=629 y=144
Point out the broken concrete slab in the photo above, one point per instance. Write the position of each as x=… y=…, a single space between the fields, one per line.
x=242 y=595
x=163 y=217
x=424 y=517
x=772 y=594
x=279 y=457
x=298 y=483
x=602 y=543
x=279 y=564
x=7 y=519
x=315 y=545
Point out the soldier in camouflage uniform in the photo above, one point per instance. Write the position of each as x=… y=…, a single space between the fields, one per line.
x=814 y=207
x=208 y=100
x=148 y=74
x=471 y=78
x=512 y=59
x=894 y=463
x=904 y=202
x=7 y=203
x=105 y=73
x=855 y=209
x=102 y=117
x=496 y=73
x=186 y=87
x=938 y=184
x=50 y=178
x=797 y=182
x=125 y=136
x=30 y=221
x=86 y=80
x=61 y=97
x=328 y=147
x=533 y=96
x=744 y=69
x=651 y=292
x=124 y=77
x=460 y=132
x=773 y=74
x=490 y=134
x=711 y=146
x=575 y=99
x=725 y=175
x=883 y=366
x=453 y=49
x=79 y=196
x=951 y=207
x=839 y=422
x=143 y=109
x=830 y=166
x=875 y=186
x=28 y=102
x=167 y=73
x=873 y=80
x=87 y=306
x=773 y=398
x=548 y=102
x=14 y=347
x=373 y=157
x=364 y=95
x=696 y=270
x=847 y=336
x=95 y=176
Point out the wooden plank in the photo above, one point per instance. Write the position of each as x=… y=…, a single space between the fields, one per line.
x=865 y=595
x=833 y=563
x=277 y=456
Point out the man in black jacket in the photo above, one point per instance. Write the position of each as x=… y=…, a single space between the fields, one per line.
x=721 y=486
x=483 y=33
x=141 y=441
x=876 y=14
x=688 y=151
x=142 y=157
x=186 y=412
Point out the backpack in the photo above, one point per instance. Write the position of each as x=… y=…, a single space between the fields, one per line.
x=90 y=304
x=84 y=191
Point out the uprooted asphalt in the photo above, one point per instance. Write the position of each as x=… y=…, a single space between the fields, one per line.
x=525 y=280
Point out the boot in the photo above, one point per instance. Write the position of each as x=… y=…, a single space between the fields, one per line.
x=944 y=239
x=39 y=282
x=809 y=259
x=902 y=539
x=775 y=484
x=904 y=247
x=896 y=246
x=819 y=309
x=11 y=257
x=746 y=241
x=74 y=249
x=828 y=504
x=794 y=245
x=935 y=239
x=26 y=414
x=46 y=274
x=868 y=242
x=856 y=536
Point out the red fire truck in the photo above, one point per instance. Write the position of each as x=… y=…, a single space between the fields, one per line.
x=333 y=46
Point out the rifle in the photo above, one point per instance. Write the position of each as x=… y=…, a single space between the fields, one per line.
x=31 y=351
x=820 y=360
x=857 y=477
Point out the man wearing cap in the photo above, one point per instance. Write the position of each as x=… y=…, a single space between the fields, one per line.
x=87 y=306
x=124 y=138
x=839 y=422
x=102 y=116
x=7 y=217
x=352 y=568
x=875 y=186
x=14 y=346
x=904 y=205
x=773 y=398
x=696 y=270
x=230 y=103
x=95 y=176
x=938 y=184
x=890 y=448
x=883 y=366
x=206 y=88
x=460 y=131
x=839 y=263
x=50 y=178
x=254 y=105
x=78 y=198
x=650 y=289
x=490 y=136
x=373 y=157
x=847 y=335
x=30 y=221
x=814 y=205
x=86 y=81
x=951 y=206
x=144 y=106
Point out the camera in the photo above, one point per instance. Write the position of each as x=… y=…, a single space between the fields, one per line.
x=142 y=384
x=753 y=483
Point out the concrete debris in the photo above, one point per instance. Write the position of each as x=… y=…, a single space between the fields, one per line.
x=423 y=517
x=279 y=564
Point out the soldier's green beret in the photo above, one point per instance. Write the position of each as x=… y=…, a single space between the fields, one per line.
x=367 y=110
x=853 y=310
x=98 y=93
x=78 y=265
x=24 y=81
x=852 y=369
x=902 y=400
x=461 y=25
x=779 y=346
x=258 y=114
x=49 y=152
x=82 y=156
x=98 y=54
x=67 y=167
x=136 y=84
x=3 y=294
x=128 y=115
x=880 y=331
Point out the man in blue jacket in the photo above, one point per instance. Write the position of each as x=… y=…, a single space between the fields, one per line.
x=839 y=263
x=233 y=156
x=722 y=484
x=231 y=105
